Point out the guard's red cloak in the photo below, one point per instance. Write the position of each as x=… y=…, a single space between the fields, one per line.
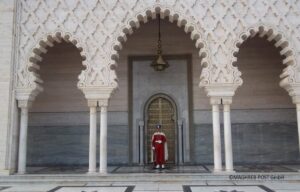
x=159 y=143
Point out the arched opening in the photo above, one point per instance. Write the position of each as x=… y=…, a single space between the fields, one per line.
x=58 y=119
x=138 y=81
x=172 y=17
x=50 y=107
x=263 y=119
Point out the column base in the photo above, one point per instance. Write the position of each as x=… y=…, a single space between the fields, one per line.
x=5 y=172
x=21 y=173
x=92 y=173
x=229 y=171
x=218 y=171
x=102 y=172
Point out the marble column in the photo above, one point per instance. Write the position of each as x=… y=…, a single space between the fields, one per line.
x=141 y=128
x=93 y=137
x=216 y=135
x=23 y=105
x=298 y=121
x=180 y=142
x=227 y=135
x=103 y=137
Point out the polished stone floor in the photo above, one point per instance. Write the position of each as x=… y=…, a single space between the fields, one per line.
x=195 y=186
x=188 y=178
x=267 y=168
x=169 y=169
x=121 y=169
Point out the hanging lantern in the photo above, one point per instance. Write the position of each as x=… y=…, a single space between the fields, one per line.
x=159 y=64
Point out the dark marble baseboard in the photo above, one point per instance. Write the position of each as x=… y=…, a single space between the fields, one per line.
x=69 y=145
x=255 y=143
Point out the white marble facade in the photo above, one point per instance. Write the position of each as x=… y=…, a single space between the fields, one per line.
x=99 y=29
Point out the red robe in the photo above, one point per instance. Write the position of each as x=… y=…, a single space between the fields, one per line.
x=159 y=143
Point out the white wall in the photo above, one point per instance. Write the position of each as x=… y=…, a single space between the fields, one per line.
x=6 y=63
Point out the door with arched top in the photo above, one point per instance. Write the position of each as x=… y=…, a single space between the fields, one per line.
x=161 y=110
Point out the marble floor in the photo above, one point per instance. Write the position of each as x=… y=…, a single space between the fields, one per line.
x=267 y=168
x=195 y=186
x=121 y=169
x=169 y=169
x=188 y=178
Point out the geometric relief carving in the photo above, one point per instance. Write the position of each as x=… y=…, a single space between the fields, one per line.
x=288 y=76
x=98 y=28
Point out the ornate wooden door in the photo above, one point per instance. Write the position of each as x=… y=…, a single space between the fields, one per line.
x=161 y=111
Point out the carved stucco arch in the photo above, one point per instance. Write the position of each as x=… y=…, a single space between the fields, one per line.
x=103 y=24
x=188 y=25
x=288 y=76
x=29 y=83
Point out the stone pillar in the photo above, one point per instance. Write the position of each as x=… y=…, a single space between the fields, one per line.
x=215 y=102
x=23 y=105
x=141 y=128
x=227 y=135
x=93 y=136
x=8 y=40
x=180 y=142
x=298 y=121
x=103 y=137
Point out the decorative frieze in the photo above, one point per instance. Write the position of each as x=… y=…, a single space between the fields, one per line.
x=99 y=28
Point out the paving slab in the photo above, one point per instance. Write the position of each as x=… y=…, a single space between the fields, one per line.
x=93 y=189
x=283 y=186
x=3 y=187
x=170 y=186
x=220 y=182
x=147 y=187
x=226 y=188
x=29 y=188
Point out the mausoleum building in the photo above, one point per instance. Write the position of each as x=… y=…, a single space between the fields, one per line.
x=77 y=86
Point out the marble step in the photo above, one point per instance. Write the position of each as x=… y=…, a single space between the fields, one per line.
x=137 y=177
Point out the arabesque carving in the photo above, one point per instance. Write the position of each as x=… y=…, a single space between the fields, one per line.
x=28 y=80
x=288 y=76
x=100 y=27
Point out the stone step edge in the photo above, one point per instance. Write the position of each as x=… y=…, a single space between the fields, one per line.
x=152 y=177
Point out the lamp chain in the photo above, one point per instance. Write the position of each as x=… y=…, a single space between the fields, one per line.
x=159 y=48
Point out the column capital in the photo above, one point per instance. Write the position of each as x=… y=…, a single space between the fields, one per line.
x=24 y=103
x=294 y=91
x=215 y=100
x=103 y=102
x=296 y=99
x=221 y=90
x=141 y=123
x=92 y=103
x=226 y=100
x=180 y=121
x=97 y=92
x=298 y=107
